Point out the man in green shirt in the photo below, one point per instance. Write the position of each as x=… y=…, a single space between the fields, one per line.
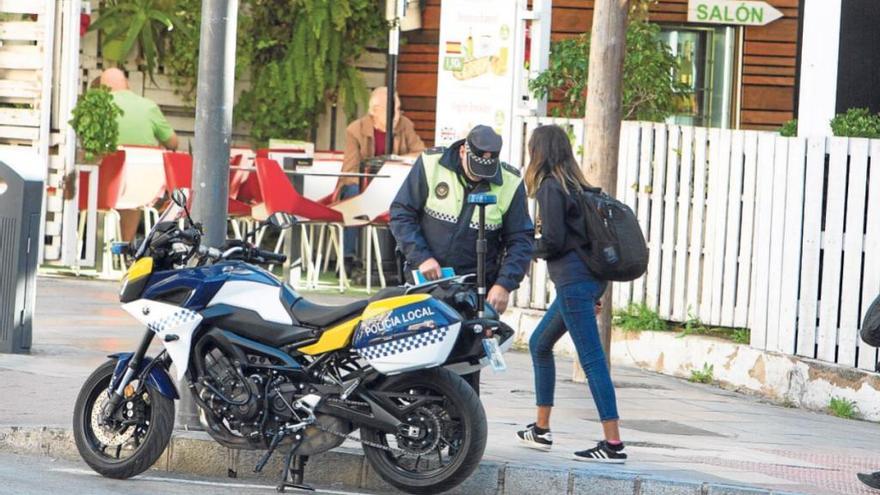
x=141 y=124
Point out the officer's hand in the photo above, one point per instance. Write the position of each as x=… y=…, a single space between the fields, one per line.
x=498 y=297
x=430 y=269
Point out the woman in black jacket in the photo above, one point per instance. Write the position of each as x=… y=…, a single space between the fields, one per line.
x=554 y=178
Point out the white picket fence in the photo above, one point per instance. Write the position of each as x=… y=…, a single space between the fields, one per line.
x=750 y=229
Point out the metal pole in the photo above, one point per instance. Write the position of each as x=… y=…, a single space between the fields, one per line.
x=482 y=247
x=391 y=76
x=214 y=99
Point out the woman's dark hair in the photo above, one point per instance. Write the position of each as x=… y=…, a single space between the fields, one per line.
x=550 y=154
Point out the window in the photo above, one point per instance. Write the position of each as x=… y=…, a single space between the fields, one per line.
x=705 y=63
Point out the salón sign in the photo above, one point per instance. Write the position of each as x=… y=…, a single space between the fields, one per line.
x=730 y=12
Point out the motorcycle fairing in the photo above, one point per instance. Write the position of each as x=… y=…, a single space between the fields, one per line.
x=404 y=333
x=172 y=324
x=265 y=300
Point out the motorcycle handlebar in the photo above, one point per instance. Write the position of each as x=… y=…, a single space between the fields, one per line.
x=270 y=256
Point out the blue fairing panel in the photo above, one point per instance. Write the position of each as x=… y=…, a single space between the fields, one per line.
x=158 y=378
x=205 y=281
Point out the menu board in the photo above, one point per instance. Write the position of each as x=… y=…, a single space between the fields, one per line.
x=475 y=76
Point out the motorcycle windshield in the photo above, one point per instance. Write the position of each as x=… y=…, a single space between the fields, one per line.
x=171 y=213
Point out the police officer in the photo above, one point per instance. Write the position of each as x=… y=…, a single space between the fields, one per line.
x=436 y=227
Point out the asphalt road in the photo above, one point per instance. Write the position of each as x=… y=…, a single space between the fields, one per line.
x=25 y=475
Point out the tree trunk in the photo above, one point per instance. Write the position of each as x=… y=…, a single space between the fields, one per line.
x=603 y=113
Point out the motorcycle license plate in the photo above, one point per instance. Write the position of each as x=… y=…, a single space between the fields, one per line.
x=493 y=352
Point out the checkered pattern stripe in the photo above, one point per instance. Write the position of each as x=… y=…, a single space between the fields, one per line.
x=445 y=217
x=489 y=226
x=178 y=318
x=406 y=344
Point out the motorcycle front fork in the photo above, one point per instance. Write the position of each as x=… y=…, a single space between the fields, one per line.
x=131 y=370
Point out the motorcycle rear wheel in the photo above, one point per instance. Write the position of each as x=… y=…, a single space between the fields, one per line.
x=462 y=434
x=101 y=447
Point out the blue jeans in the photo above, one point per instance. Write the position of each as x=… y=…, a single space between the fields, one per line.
x=349 y=237
x=573 y=311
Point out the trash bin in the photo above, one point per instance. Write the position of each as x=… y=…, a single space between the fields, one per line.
x=21 y=201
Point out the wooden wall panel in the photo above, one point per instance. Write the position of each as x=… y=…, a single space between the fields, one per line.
x=768 y=69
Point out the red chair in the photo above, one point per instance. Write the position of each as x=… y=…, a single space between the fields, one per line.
x=279 y=195
x=178 y=175
x=109 y=188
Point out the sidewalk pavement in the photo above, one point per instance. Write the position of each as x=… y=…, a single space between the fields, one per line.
x=696 y=435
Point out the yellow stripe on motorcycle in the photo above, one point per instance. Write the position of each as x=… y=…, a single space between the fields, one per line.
x=332 y=339
x=141 y=268
x=381 y=306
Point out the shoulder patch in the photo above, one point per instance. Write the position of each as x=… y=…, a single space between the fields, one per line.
x=510 y=168
x=435 y=150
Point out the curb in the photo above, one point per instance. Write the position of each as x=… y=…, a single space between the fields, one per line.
x=195 y=453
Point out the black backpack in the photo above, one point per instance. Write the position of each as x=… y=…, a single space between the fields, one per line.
x=616 y=249
x=870 y=331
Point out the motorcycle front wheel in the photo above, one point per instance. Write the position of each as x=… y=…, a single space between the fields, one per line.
x=451 y=433
x=131 y=441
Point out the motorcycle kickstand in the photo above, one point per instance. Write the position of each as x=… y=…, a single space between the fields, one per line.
x=294 y=468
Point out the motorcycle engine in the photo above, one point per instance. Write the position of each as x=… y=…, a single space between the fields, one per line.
x=227 y=392
x=237 y=401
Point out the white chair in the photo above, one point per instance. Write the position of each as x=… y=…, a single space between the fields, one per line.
x=372 y=205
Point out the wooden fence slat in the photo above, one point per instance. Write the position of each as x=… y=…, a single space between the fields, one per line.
x=21 y=57
x=19 y=133
x=761 y=251
x=20 y=90
x=744 y=276
x=777 y=232
x=670 y=198
x=716 y=220
x=24 y=6
x=20 y=117
x=732 y=237
x=832 y=246
x=620 y=192
x=679 y=307
x=697 y=222
x=21 y=31
x=871 y=282
x=814 y=181
x=539 y=285
x=646 y=134
x=791 y=246
x=655 y=236
x=721 y=170
x=705 y=312
x=616 y=295
x=629 y=192
x=847 y=336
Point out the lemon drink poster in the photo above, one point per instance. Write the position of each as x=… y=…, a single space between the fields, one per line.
x=475 y=76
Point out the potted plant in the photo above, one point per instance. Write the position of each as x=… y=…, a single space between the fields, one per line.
x=94 y=122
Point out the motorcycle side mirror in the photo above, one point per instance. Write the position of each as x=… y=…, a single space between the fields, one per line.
x=281 y=220
x=179 y=197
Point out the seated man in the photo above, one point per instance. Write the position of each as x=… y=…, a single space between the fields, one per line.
x=141 y=123
x=365 y=138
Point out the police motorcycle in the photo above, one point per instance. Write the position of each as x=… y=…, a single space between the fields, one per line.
x=269 y=369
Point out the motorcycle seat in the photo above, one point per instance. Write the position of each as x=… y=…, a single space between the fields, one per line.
x=317 y=315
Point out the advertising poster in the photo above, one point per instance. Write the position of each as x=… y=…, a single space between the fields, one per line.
x=475 y=76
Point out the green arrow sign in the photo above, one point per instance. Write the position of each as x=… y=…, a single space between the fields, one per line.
x=730 y=12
